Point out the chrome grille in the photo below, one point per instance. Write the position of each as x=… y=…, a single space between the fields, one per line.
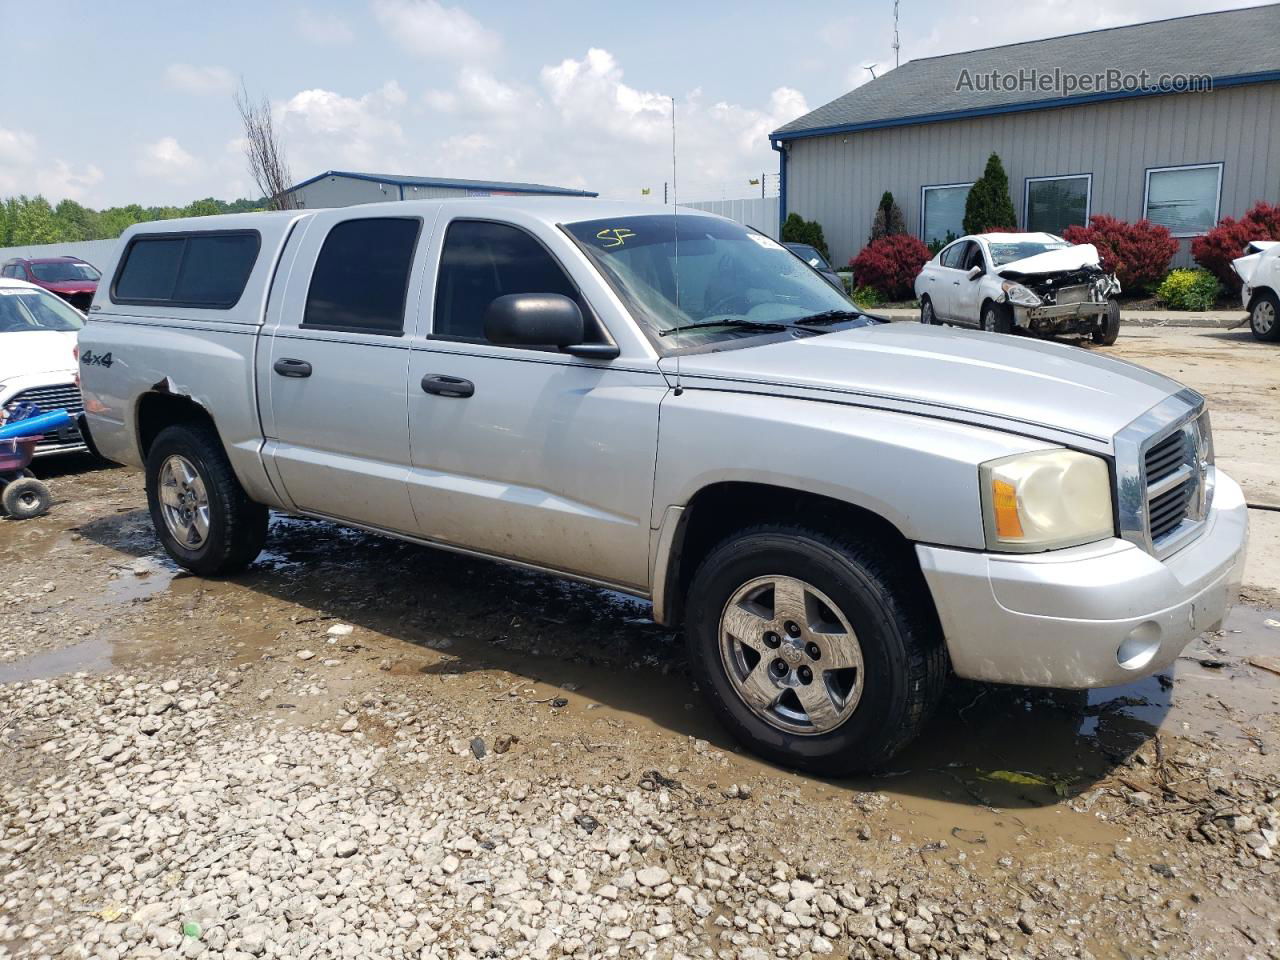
x=1164 y=474
x=62 y=396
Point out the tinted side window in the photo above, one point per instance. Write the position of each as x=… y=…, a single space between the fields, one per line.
x=952 y=255
x=194 y=269
x=361 y=278
x=482 y=261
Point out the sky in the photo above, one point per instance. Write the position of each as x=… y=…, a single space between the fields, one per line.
x=131 y=101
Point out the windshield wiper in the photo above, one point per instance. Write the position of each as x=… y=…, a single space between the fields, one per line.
x=828 y=316
x=740 y=324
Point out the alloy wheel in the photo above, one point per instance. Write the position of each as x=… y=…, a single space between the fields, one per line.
x=184 y=502
x=791 y=655
x=1264 y=317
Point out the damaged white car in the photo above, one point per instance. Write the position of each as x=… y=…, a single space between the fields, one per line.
x=1259 y=268
x=1034 y=283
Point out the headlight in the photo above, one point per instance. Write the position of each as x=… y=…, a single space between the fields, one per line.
x=1019 y=294
x=1043 y=500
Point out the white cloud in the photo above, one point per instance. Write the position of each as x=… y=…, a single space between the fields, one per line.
x=323 y=29
x=479 y=91
x=202 y=81
x=24 y=170
x=167 y=160
x=323 y=129
x=431 y=29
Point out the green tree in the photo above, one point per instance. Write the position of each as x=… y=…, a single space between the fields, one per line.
x=888 y=219
x=115 y=220
x=75 y=221
x=796 y=229
x=988 y=206
x=207 y=207
x=34 y=222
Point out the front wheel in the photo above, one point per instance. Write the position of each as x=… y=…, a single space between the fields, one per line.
x=1107 y=334
x=203 y=517
x=1263 y=317
x=811 y=650
x=997 y=318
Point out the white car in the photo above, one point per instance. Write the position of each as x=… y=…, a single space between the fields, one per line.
x=37 y=357
x=1035 y=283
x=1259 y=268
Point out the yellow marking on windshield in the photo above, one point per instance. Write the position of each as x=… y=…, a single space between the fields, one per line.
x=614 y=236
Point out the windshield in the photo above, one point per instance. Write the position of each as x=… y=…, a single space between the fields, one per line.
x=35 y=311
x=726 y=275
x=1002 y=253
x=64 y=272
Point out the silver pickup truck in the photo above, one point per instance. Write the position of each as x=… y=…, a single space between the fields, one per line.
x=839 y=511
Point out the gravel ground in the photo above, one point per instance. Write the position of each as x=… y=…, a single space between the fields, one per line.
x=361 y=748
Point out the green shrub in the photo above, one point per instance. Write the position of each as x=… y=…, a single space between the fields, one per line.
x=865 y=296
x=796 y=229
x=988 y=206
x=1189 y=290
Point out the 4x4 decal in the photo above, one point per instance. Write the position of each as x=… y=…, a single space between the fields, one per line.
x=89 y=358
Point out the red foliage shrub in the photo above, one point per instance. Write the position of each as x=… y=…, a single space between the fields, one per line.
x=1217 y=248
x=1137 y=253
x=890 y=265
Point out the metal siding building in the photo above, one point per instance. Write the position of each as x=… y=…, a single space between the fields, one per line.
x=340 y=188
x=910 y=129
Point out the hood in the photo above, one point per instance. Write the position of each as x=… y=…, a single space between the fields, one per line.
x=47 y=351
x=1047 y=390
x=1055 y=261
x=71 y=286
x=1246 y=266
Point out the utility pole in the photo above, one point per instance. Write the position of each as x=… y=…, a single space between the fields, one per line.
x=896 y=44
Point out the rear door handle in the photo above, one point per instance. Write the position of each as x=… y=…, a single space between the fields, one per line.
x=445 y=386
x=292 y=368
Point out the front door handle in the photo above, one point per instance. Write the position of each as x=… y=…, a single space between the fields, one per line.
x=444 y=386
x=292 y=368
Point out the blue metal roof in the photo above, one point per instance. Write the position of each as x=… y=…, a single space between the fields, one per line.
x=404 y=181
x=1234 y=47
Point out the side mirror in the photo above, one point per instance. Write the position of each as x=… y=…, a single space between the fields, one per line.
x=533 y=320
x=975 y=272
x=541 y=320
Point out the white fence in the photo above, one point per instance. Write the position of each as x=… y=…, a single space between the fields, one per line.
x=758 y=212
x=96 y=252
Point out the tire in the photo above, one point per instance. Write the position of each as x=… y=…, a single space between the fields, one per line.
x=216 y=529
x=861 y=595
x=1264 y=317
x=1110 y=330
x=997 y=318
x=25 y=498
x=929 y=316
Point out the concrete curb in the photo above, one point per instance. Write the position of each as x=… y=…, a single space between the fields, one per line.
x=1212 y=319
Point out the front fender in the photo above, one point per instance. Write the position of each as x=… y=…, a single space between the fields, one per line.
x=917 y=473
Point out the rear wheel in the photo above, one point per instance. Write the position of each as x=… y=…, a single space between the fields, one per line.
x=997 y=317
x=810 y=650
x=928 y=315
x=25 y=498
x=1107 y=334
x=201 y=514
x=1264 y=318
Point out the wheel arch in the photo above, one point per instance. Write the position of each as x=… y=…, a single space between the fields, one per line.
x=157 y=409
x=716 y=511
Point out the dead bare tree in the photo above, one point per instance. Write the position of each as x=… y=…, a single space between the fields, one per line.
x=268 y=164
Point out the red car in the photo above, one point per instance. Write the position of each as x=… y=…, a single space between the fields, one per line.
x=71 y=278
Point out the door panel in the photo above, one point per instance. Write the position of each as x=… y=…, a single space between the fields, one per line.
x=966 y=295
x=549 y=460
x=333 y=379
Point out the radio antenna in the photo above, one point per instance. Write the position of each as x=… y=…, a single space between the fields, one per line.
x=675 y=238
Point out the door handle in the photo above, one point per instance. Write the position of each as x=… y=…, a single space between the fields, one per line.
x=445 y=386
x=292 y=368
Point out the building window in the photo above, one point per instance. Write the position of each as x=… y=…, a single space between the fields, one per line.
x=942 y=212
x=1054 y=203
x=1184 y=199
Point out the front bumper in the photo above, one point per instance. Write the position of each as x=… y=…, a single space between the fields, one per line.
x=1060 y=317
x=1091 y=616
